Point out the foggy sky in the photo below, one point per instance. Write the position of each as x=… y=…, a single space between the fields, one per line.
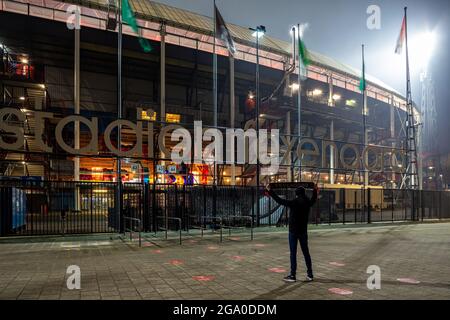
x=337 y=28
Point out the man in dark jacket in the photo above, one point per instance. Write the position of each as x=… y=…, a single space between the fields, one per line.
x=298 y=228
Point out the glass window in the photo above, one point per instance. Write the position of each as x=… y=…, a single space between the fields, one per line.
x=173 y=118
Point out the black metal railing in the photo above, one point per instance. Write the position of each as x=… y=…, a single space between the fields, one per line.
x=61 y=207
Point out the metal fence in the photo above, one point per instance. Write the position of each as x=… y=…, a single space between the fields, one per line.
x=54 y=207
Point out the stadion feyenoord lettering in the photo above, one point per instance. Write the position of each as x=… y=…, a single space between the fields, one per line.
x=241 y=145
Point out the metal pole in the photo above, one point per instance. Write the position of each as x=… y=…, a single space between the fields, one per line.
x=289 y=136
x=332 y=153
x=119 y=116
x=232 y=113
x=408 y=100
x=257 y=124
x=215 y=85
x=299 y=110
x=77 y=100
x=364 y=112
x=76 y=82
x=257 y=110
x=163 y=73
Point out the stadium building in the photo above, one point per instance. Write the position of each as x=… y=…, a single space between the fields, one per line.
x=173 y=84
x=60 y=94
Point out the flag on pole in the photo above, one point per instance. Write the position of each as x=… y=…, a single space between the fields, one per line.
x=362 y=81
x=129 y=18
x=401 y=38
x=304 y=53
x=303 y=57
x=223 y=33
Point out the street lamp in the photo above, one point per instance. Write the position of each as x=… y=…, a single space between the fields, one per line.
x=258 y=33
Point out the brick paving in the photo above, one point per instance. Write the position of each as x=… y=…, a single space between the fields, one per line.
x=237 y=268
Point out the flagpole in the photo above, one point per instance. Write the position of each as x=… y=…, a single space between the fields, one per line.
x=299 y=110
x=410 y=169
x=364 y=118
x=119 y=116
x=215 y=84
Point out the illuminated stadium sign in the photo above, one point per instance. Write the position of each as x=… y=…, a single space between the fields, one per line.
x=241 y=147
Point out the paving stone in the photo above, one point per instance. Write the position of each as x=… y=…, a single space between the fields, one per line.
x=121 y=271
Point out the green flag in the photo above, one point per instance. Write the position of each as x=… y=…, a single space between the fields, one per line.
x=362 y=81
x=128 y=17
x=304 y=53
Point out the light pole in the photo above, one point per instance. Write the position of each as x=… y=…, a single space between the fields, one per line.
x=258 y=32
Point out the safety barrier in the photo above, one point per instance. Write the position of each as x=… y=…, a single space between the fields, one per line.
x=66 y=207
x=131 y=229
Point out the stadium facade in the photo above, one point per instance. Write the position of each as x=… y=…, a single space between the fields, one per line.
x=50 y=72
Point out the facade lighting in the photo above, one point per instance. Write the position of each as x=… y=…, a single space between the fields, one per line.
x=173 y=118
x=350 y=103
x=295 y=86
x=317 y=92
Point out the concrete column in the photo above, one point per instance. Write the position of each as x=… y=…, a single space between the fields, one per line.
x=232 y=113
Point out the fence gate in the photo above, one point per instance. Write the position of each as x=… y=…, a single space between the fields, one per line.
x=56 y=208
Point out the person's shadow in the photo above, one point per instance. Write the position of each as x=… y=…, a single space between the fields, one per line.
x=280 y=291
x=290 y=287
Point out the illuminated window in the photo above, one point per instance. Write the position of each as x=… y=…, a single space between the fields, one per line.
x=173 y=118
x=146 y=115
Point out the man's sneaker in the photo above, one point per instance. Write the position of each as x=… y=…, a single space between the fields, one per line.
x=290 y=278
x=309 y=279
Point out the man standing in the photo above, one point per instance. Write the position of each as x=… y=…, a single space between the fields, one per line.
x=299 y=209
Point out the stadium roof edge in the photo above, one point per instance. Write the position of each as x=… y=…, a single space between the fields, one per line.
x=190 y=21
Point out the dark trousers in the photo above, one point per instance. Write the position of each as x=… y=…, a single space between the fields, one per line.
x=293 y=241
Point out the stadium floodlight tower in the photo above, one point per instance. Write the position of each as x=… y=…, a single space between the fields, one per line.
x=423 y=49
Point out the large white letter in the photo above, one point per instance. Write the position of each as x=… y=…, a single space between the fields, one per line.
x=93 y=127
x=271 y=158
x=182 y=151
x=137 y=128
x=213 y=152
x=17 y=130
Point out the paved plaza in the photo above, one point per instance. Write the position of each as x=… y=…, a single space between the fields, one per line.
x=414 y=260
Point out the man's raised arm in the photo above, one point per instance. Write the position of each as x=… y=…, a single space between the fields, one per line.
x=279 y=200
x=315 y=194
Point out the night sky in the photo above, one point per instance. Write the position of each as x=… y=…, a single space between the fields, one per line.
x=337 y=28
